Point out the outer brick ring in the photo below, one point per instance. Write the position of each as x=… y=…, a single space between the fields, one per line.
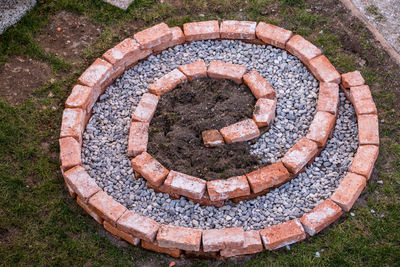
x=225 y=242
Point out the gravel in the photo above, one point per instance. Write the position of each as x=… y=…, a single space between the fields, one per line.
x=12 y=11
x=105 y=140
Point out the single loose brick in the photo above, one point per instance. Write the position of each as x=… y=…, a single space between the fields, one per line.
x=89 y=210
x=323 y=70
x=195 y=31
x=364 y=160
x=368 y=130
x=282 y=234
x=167 y=82
x=212 y=138
x=320 y=217
x=169 y=236
x=153 y=36
x=82 y=97
x=97 y=76
x=73 y=123
x=177 y=38
x=81 y=183
x=241 y=131
x=351 y=79
x=146 y=108
x=138 y=138
x=320 y=128
x=303 y=49
x=269 y=176
x=217 y=239
x=252 y=244
x=349 y=190
x=362 y=100
x=273 y=35
x=149 y=168
x=299 y=155
x=194 y=70
x=176 y=253
x=121 y=234
x=223 y=70
x=233 y=29
x=109 y=209
x=264 y=112
x=70 y=153
x=236 y=186
x=328 y=99
x=185 y=185
x=258 y=85
x=138 y=225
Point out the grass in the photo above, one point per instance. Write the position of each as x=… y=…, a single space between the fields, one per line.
x=41 y=225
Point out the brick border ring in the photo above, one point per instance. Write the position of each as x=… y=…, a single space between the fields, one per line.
x=225 y=242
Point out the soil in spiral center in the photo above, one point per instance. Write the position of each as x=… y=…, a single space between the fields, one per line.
x=175 y=131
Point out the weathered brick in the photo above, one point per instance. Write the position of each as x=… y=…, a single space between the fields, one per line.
x=149 y=168
x=320 y=217
x=206 y=201
x=146 y=108
x=223 y=70
x=352 y=79
x=80 y=181
x=169 y=236
x=82 y=97
x=241 y=131
x=153 y=36
x=89 y=210
x=362 y=100
x=349 y=190
x=185 y=185
x=70 y=153
x=299 y=155
x=258 y=85
x=328 y=99
x=194 y=70
x=177 y=38
x=73 y=123
x=109 y=209
x=121 y=234
x=321 y=127
x=364 y=160
x=176 y=253
x=282 y=234
x=264 y=112
x=236 y=186
x=252 y=244
x=70 y=190
x=323 y=70
x=273 y=35
x=302 y=48
x=368 y=130
x=233 y=29
x=212 y=138
x=269 y=176
x=201 y=30
x=250 y=196
x=138 y=225
x=97 y=76
x=217 y=239
x=167 y=82
x=138 y=138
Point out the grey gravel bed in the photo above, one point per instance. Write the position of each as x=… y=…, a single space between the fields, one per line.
x=11 y=11
x=105 y=140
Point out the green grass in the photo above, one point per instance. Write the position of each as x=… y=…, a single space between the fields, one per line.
x=41 y=225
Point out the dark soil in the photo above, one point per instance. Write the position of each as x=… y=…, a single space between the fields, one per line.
x=182 y=114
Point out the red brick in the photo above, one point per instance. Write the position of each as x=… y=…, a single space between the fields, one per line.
x=264 y=112
x=146 y=108
x=273 y=35
x=217 y=239
x=82 y=97
x=202 y=30
x=299 y=155
x=194 y=70
x=176 y=253
x=89 y=210
x=177 y=38
x=241 y=131
x=236 y=186
x=167 y=82
x=233 y=29
x=73 y=123
x=70 y=153
x=364 y=160
x=349 y=190
x=250 y=196
x=362 y=100
x=153 y=36
x=97 y=76
x=138 y=138
x=121 y=234
x=223 y=70
x=169 y=236
x=352 y=79
x=269 y=176
x=206 y=201
x=321 y=127
x=323 y=70
x=303 y=49
x=252 y=244
x=328 y=99
x=258 y=85
x=109 y=209
x=81 y=183
x=149 y=168
x=368 y=130
x=185 y=185
x=320 y=217
x=212 y=138
x=138 y=225
x=70 y=190
x=282 y=234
